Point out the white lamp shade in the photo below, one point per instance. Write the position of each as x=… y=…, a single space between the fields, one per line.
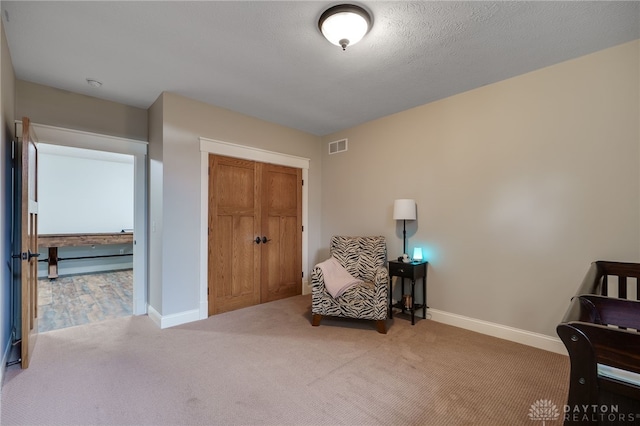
x=344 y=25
x=404 y=209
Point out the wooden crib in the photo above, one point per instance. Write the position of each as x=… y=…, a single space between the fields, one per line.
x=600 y=332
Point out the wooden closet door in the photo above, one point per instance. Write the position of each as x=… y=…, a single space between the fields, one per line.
x=281 y=274
x=234 y=223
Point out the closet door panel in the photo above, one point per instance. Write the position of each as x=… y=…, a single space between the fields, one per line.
x=282 y=224
x=234 y=221
x=255 y=233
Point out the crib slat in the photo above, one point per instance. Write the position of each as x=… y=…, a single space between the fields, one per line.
x=622 y=287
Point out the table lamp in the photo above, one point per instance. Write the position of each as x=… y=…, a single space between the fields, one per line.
x=417 y=254
x=404 y=209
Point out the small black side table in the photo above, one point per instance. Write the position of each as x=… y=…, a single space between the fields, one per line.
x=413 y=271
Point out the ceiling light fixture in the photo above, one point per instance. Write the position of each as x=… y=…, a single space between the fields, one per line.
x=93 y=83
x=345 y=24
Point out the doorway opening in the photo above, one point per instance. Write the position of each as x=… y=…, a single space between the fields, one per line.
x=85 y=227
x=134 y=249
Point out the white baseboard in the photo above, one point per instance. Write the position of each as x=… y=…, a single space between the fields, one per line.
x=204 y=310
x=154 y=315
x=537 y=340
x=166 y=321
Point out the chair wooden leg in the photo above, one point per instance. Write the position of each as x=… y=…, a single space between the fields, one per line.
x=381 y=326
x=315 y=319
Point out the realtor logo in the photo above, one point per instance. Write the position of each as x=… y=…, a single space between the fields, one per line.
x=543 y=410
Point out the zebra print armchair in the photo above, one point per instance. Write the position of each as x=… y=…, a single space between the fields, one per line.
x=364 y=258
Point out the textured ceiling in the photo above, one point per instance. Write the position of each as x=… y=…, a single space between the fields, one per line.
x=267 y=59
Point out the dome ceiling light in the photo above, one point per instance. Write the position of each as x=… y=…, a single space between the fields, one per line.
x=94 y=83
x=345 y=24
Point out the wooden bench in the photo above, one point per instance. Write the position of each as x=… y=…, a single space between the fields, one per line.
x=53 y=241
x=601 y=335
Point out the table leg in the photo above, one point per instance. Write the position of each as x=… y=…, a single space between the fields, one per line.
x=391 y=297
x=424 y=297
x=402 y=294
x=53 y=263
x=413 y=301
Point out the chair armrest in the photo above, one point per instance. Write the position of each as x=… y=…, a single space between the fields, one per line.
x=381 y=279
x=317 y=279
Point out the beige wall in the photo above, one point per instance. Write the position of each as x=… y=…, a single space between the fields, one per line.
x=519 y=185
x=184 y=121
x=60 y=108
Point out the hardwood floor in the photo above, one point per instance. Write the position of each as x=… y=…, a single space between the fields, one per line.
x=82 y=299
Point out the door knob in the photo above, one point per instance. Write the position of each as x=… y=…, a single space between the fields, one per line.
x=258 y=240
x=265 y=240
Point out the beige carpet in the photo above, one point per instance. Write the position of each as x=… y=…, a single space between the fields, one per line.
x=267 y=365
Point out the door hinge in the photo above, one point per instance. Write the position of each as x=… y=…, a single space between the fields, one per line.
x=302 y=182
x=207 y=291
x=302 y=228
x=302 y=274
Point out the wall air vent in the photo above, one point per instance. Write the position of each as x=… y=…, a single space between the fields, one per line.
x=338 y=146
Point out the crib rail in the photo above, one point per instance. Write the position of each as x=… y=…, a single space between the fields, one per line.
x=601 y=332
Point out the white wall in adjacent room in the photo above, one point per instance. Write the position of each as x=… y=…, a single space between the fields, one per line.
x=83 y=191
